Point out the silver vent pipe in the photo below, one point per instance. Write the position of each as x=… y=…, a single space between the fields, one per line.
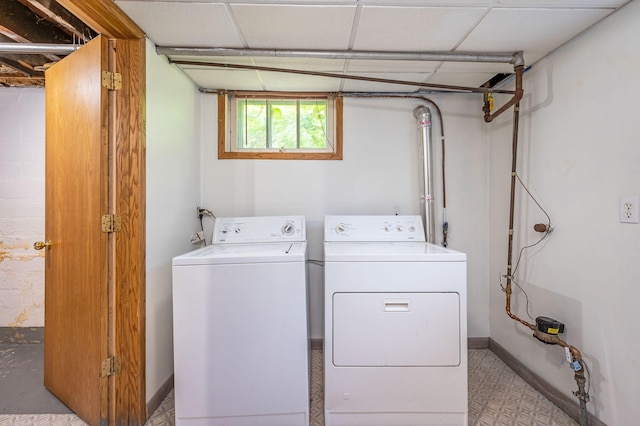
x=38 y=48
x=423 y=115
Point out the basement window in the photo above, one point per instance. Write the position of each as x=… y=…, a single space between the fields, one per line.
x=279 y=125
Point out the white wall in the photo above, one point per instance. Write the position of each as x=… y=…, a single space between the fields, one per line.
x=378 y=175
x=21 y=207
x=173 y=192
x=579 y=155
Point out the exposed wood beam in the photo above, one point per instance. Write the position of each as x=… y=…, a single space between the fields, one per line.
x=62 y=17
x=18 y=19
x=11 y=80
x=21 y=67
x=105 y=17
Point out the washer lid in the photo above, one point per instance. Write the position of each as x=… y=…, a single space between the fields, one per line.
x=219 y=254
x=389 y=252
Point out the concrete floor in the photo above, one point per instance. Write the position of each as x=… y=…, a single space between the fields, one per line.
x=21 y=381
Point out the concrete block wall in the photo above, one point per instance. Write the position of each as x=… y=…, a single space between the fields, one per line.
x=22 y=169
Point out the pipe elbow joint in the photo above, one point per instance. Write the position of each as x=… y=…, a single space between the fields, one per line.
x=518 y=59
x=422 y=114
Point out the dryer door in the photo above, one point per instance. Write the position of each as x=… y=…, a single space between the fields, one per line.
x=396 y=329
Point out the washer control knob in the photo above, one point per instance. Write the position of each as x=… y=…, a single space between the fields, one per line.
x=400 y=228
x=342 y=228
x=388 y=228
x=237 y=229
x=288 y=229
x=412 y=228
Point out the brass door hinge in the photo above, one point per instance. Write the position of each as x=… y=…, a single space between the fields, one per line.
x=112 y=80
x=111 y=223
x=111 y=366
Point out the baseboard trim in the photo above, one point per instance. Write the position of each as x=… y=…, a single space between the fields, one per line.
x=159 y=396
x=478 y=343
x=566 y=404
x=21 y=334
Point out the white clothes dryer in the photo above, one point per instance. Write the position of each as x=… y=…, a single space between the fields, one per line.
x=241 y=345
x=395 y=338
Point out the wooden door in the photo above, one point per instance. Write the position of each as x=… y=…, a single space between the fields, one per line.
x=76 y=262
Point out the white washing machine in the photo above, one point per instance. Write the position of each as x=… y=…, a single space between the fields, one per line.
x=395 y=344
x=241 y=346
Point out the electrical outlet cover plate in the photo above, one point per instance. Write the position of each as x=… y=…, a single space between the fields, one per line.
x=629 y=210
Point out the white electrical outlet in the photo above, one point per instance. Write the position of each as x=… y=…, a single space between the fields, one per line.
x=629 y=210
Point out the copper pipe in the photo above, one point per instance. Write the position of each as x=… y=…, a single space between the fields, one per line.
x=576 y=356
x=514 y=161
x=519 y=92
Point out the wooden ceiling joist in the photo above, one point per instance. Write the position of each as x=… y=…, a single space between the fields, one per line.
x=19 y=81
x=18 y=19
x=36 y=21
x=62 y=17
x=20 y=66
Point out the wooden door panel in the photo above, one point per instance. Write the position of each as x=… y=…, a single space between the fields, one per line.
x=76 y=263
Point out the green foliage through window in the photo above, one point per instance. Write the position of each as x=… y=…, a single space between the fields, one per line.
x=281 y=124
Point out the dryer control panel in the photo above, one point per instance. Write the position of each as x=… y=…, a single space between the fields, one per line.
x=259 y=229
x=373 y=228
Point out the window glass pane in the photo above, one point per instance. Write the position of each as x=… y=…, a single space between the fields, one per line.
x=284 y=127
x=280 y=125
x=252 y=120
x=313 y=124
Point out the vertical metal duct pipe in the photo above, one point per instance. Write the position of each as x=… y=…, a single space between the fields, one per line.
x=423 y=115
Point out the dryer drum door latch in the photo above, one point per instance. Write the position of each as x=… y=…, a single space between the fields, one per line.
x=395 y=306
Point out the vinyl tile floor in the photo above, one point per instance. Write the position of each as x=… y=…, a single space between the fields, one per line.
x=497 y=397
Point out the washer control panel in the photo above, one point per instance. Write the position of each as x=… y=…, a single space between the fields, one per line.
x=259 y=229
x=373 y=228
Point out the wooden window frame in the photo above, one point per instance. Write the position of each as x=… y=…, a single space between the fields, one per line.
x=224 y=152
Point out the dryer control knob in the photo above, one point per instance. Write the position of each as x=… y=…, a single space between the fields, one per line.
x=288 y=229
x=342 y=228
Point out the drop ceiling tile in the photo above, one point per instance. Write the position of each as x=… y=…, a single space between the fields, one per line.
x=306 y=64
x=448 y=3
x=291 y=82
x=304 y=27
x=224 y=79
x=362 y=85
x=391 y=66
x=534 y=31
x=481 y=67
x=413 y=28
x=584 y=4
x=183 y=24
x=465 y=79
